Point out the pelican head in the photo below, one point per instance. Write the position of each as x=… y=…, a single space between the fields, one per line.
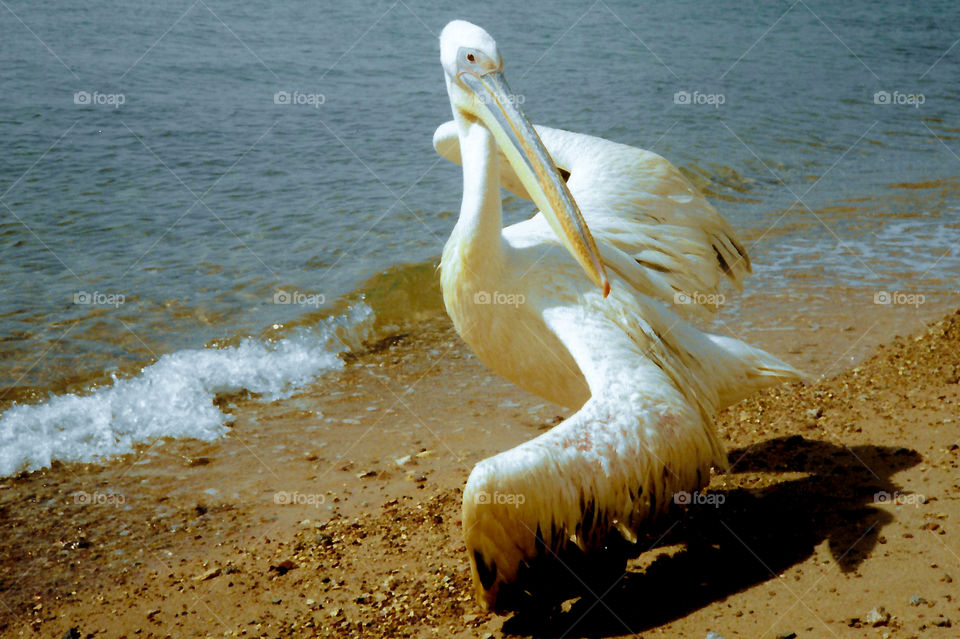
x=479 y=95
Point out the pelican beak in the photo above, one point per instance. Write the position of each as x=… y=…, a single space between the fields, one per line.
x=497 y=108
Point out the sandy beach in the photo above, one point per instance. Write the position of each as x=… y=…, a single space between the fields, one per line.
x=336 y=512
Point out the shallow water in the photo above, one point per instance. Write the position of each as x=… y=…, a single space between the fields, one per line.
x=187 y=215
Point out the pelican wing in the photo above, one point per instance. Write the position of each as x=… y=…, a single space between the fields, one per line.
x=608 y=469
x=652 y=226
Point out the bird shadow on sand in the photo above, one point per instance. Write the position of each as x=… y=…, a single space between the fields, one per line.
x=829 y=494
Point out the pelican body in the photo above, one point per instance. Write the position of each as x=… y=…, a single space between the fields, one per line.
x=584 y=304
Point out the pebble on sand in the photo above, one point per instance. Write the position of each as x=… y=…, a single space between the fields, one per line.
x=877 y=617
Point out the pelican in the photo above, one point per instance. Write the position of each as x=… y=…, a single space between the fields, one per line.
x=587 y=305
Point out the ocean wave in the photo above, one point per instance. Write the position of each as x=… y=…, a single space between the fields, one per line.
x=173 y=397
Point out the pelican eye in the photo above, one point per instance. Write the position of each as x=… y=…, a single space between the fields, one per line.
x=471 y=57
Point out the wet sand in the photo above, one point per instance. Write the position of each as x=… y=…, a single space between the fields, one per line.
x=336 y=512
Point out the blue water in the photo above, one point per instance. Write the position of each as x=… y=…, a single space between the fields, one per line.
x=188 y=194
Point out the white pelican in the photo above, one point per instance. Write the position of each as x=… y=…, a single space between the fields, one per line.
x=584 y=317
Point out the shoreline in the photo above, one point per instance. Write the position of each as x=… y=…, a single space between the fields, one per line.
x=346 y=495
x=798 y=265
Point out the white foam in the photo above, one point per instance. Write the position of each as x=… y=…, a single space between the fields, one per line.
x=171 y=398
x=907 y=252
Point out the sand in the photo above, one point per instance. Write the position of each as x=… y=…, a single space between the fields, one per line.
x=337 y=512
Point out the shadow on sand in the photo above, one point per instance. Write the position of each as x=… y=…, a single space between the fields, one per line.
x=751 y=537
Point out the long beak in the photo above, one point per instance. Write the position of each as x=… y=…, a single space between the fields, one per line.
x=518 y=140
